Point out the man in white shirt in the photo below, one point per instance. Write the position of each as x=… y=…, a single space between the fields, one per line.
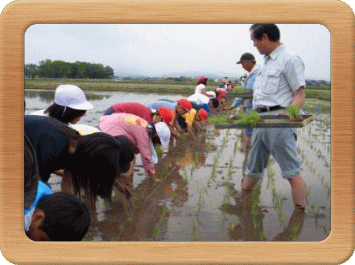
x=279 y=84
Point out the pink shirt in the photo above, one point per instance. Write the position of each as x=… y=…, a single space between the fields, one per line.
x=137 y=109
x=135 y=128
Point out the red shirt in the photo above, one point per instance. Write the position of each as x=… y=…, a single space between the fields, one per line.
x=222 y=93
x=137 y=109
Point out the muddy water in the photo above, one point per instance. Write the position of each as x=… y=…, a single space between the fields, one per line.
x=199 y=197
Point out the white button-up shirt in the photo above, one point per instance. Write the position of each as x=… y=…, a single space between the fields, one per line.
x=280 y=76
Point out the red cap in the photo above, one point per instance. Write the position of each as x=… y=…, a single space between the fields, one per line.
x=185 y=104
x=203 y=114
x=166 y=114
x=201 y=79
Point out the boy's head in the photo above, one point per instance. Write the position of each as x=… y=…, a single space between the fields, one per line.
x=59 y=217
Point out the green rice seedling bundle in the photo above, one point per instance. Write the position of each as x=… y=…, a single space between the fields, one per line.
x=184 y=136
x=217 y=120
x=159 y=150
x=251 y=118
x=294 y=113
x=241 y=90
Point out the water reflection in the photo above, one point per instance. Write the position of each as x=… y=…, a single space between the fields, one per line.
x=48 y=96
x=147 y=214
x=251 y=215
x=43 y=96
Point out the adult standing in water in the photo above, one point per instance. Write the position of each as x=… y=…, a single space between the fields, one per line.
x=248 y=62
x=280 y=83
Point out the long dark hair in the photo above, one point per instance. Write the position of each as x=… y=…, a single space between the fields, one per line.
x=63 y=113
x=153 y=135
x=96 y=163
x=31 y=173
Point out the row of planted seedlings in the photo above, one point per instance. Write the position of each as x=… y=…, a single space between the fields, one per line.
x=250 y=205
x=188 y=173
x=316 y=159
x=218 y=175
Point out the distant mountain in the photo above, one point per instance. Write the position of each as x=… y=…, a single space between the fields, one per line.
x=191 y=74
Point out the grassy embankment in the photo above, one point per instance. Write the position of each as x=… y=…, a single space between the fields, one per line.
x=145 y=86
x=321 y=94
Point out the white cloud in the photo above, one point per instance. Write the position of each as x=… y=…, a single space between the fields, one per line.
x=171 y=48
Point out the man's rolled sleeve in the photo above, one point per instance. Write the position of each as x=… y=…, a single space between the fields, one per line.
x=294 y=72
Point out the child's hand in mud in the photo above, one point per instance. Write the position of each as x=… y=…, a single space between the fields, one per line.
x=154 y=178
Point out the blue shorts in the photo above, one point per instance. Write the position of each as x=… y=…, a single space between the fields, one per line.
x=237 y=102
x=248 y=132
x=281 y=143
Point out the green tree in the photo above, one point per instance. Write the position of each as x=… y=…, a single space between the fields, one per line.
x=31 y=70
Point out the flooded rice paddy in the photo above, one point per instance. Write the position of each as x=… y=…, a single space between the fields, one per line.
x=199 y=197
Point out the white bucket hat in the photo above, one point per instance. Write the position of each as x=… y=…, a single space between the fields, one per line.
x=163 y=132
x=71 y=96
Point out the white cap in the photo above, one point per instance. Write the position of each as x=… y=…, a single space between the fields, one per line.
x=71 y=96
x=153 y=152
x=163 y=132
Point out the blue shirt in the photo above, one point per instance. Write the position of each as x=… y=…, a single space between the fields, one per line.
x=42 y=190
x=249 y=84
x=157 y=104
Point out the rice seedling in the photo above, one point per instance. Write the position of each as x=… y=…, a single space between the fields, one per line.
x=262 y=236
x=271 y=175
x=159 y=150
x=164 y=214
x=156 y=231
x=326 y=228
x=231 y=225
x=236 y=145
x=251 y=118
x=327 y=187
x=214 y=166
x=241 y=91
x=293 y=113
x=200 y=202
x=196 y=158
x=295 y=230
x=230 y=168
x=279 y=202
x=217 y=120
x=165 y=170
x=195 y=236
x=184 y=136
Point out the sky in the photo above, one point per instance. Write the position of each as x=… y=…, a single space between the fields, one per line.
x=172 y=49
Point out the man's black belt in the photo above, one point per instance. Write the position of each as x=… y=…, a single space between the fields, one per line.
x=268 y=108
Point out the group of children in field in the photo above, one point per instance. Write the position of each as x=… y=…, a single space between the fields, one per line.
x=92 y=161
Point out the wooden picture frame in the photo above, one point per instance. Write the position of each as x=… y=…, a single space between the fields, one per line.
x=19 y=15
